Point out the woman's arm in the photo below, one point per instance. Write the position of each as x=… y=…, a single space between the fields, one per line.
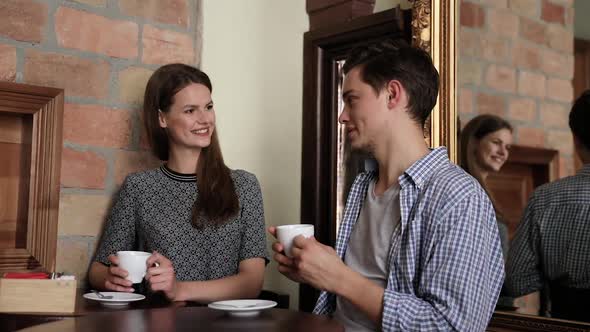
x=247 y=283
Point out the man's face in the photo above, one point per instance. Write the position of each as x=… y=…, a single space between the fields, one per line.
x=364 y=113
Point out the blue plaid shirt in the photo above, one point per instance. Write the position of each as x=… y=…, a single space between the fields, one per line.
x=445 y=261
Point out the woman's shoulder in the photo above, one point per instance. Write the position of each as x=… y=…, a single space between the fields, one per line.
x=243 y=177
x=142 y=177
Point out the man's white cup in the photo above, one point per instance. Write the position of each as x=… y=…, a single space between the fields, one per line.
x=286 y=234
x=135 y=263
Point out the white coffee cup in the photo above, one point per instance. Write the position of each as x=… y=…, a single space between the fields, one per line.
x=135 y=263
x=286 y=234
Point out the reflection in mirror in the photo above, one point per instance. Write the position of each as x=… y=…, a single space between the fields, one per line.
x=526 y=78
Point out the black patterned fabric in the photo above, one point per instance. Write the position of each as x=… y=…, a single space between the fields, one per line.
x=153 y=212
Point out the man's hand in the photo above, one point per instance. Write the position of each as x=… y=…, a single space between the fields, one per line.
x=161 y=276
x=286 y=264
x=115 y=279
x=312 y=262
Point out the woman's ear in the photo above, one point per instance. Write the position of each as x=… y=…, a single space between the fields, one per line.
x=162 y=119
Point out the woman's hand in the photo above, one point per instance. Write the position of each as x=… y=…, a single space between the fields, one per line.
x=161 y=276
x=115 y=279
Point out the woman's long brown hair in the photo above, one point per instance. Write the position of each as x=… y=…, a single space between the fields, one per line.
x=217 y=200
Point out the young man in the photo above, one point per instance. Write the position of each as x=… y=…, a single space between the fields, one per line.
x=551 y=249
x=418 y=248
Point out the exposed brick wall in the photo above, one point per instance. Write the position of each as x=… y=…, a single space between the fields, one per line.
x=516 y=61
x=101 y=52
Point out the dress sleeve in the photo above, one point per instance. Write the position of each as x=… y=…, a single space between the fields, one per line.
x=119 y=231
x=252 y=217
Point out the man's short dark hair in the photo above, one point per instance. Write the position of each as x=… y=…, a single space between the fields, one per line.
x=580 y=119
x=395 y=60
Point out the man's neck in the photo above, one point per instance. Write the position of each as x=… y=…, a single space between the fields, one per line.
x=395 y=157
x=183 y=160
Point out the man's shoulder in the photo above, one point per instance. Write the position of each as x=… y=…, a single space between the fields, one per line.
x=452 y=182
x=566 y=190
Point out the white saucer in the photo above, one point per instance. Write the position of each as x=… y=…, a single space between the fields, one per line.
x=119 y=299
x=242 y=308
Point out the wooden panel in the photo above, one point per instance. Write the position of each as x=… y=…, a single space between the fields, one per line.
x=40 y=109
x=11 y=128
x=511 y=189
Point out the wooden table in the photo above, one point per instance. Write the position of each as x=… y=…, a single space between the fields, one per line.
x=157 y=314
x=191 y=319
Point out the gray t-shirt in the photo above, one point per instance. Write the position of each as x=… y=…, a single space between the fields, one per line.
x=153 y=212
x=368 y=250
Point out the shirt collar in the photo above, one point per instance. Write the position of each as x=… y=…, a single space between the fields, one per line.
x=423 y=168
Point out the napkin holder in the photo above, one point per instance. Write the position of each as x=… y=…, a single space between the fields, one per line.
x=37 y=295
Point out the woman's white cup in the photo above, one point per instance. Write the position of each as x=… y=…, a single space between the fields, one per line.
x=286 y=234
x=135 y=263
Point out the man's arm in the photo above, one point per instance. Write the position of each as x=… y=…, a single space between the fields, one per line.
x=459 y=281
x=523 y=267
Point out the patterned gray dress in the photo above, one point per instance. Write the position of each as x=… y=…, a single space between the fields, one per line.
x=153 y=212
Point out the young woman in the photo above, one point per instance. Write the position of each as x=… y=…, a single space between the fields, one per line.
x=203 y=222
x=485 y=145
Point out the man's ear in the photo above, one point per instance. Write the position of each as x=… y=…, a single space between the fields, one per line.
x=162 y=119
x=395 y=93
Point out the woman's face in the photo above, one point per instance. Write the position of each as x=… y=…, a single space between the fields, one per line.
x=493 y=150
x=190 y=122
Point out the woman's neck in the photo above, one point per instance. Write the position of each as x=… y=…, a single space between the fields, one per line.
x=183 y=160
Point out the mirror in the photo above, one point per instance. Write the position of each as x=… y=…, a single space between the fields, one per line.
x=525 y=64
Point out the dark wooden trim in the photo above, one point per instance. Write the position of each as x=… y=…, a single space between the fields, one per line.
x=546 y=159
x=518 y=322
x=318 y=169
x=46 y=107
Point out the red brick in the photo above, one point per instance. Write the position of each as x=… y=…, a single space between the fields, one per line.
x=561 y=39
x=561 y=140
x=526 y=55
x=7 y=63
x=79 y=77
x=82 y=169
x=128 y=162
x=528 y=8
x=23 y=20
x=465 y=101
x=495 y=49
x=72 y=257
x=93 y=33
x=501 y=78
x=531 y=136
x=97 y=125
x=554 y=115
x=522 y=109
x=558 y=64
x=533 y=31
x=472 y=15
x=166 y=46
x=552 y=12
x=469 y=43
x=132 y=82
x=503 y=23
x=490 y=104
x=169 y=11
x=569 y=17
x=560 y=90
x=495 y=3
x=531 y=84
x=82 y=214
x=96 y=3
x=470 y=72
